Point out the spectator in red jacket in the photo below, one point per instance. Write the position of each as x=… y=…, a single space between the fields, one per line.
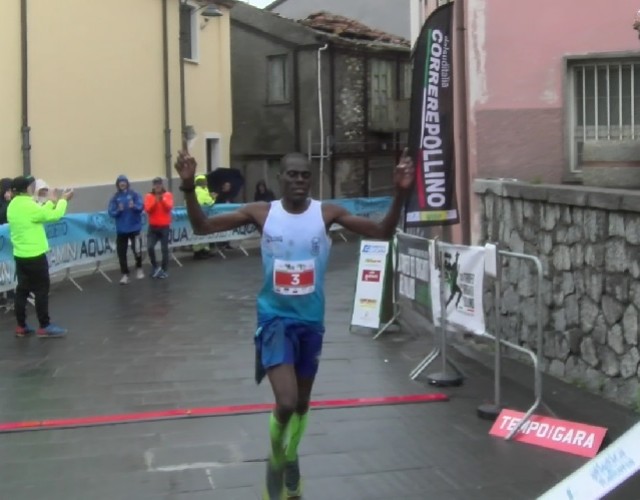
x=158 y=204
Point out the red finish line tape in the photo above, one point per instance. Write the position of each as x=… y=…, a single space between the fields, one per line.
x=215 y=411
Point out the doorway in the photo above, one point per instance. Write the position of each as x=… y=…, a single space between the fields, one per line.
x=212 y=147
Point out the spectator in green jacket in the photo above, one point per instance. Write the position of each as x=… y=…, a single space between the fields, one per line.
x=30 y=246
x=202 y=251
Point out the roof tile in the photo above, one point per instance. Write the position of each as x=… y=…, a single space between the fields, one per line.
x=351 y=29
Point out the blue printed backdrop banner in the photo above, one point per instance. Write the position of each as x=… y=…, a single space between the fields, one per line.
x=84 y=239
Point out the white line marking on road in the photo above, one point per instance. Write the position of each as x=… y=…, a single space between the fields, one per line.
x=208 y=471
x=193 y=466
x=148 y=460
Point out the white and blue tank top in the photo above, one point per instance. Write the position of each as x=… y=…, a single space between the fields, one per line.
x=295 y=250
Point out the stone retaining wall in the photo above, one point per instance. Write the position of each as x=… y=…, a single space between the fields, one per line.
x=588 y=240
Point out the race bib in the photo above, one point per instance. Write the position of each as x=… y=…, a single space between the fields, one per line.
x=294 y=277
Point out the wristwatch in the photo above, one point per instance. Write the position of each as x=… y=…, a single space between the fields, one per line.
x=187 y=189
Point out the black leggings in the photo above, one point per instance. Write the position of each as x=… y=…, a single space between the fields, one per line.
x=158 y=234
x=33 y=276
x=122 y=243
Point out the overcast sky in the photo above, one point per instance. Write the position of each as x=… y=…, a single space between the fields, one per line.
x=259 y=3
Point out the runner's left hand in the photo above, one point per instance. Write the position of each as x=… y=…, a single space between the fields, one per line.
x=404 y=173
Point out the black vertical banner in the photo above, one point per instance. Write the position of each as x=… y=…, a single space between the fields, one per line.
x=431 y=127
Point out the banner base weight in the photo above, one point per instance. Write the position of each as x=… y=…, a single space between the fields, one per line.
x=488 y=411
x=445 y=379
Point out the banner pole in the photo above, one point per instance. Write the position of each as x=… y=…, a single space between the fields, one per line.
x=443 y=378
x=70 y=278
x=98 y=269
x=490 y=411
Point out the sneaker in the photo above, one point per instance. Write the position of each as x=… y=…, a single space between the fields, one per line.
x=23 y=331
x=51 y=332
x=124 y=280
x=156 y=272
x=292 y=479
x=274 y=487
x=140 y=274
x=162 y=275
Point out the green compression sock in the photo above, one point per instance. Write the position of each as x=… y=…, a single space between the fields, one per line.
x=297 y=426
x=277 y=434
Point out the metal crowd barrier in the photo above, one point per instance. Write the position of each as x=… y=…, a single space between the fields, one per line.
x=447 y=377
x=491 y=411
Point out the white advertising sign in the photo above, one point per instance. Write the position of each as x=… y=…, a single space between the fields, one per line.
x=370 y=284
x=463 y=278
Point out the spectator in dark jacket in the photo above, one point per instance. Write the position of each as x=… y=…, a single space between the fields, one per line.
x=5 y=198
x=126 y=208
x=262 y=193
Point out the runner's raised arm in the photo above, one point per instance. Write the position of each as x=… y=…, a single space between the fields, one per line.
x=247 y=214
x=383 y=230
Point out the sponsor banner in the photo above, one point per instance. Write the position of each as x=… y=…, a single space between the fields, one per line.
x=463 y=276
x=81 y=239
x=372 y=267
x=431 y=125
x=413 y=275
x=562 y=435
x=598 y=477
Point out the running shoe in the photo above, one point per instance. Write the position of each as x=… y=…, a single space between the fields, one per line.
x=274 y=488
x=292 y=479
x=23 y=331
x=51 y=332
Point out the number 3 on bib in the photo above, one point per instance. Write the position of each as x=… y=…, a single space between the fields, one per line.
x=294 y=277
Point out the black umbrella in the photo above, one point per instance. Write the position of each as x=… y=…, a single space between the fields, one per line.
x=217 y=178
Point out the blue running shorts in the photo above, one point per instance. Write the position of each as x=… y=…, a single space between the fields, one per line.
x=286 y=341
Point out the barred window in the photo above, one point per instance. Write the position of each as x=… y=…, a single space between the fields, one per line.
x=604 y=104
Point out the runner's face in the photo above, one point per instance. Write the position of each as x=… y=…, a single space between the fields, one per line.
x=296 y=180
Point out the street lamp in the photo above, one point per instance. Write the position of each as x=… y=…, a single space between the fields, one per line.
x=210 y=11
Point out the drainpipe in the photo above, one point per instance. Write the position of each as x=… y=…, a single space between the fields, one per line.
x=321 y=116
x=296 y=98
x=183 y=110
x=332 y=107
x=165 y=71
x=25 y=129
x=366 y=124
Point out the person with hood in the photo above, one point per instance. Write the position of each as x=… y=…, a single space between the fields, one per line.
x=263 y=193
x=205 y=199
x=158 y=204
x=30 y=247
x=126 y=207
x=5 y=198
x=41 y=193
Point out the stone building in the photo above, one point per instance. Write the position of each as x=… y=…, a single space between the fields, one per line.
x=327 y=86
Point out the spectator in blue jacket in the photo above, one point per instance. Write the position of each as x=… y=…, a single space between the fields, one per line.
x=126 y=208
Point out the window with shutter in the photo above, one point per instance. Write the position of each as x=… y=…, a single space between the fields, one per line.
x=277 y=79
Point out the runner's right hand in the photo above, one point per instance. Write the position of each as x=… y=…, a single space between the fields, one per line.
x=186 y=168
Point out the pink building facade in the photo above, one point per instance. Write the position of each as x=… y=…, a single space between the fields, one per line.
x=540 y=78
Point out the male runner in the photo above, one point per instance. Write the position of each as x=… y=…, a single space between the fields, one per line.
x=295 y=248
